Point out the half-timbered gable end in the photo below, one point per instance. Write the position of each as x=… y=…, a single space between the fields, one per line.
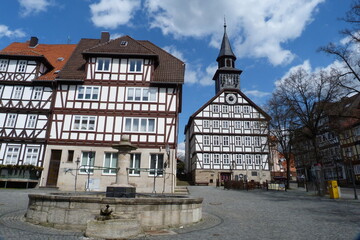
x=27 y=73
x=227 y=138
x=111 y=88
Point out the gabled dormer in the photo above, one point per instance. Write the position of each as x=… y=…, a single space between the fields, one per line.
x=226 y=76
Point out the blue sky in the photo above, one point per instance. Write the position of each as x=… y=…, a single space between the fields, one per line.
x=269 y=38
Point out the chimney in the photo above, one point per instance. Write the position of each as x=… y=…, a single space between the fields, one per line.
x=105 y=37
x=33 y=41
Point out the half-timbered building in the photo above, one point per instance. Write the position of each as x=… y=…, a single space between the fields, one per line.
x=227 y=138
x=107 y=89
x=27 y=74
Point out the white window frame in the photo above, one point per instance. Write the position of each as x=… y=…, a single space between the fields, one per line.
x=92 y=91
x=216 y=158
x=225 y=124
x=247 y=141
x=237 y=140
x=11 y=120
x=3 y=65
x=226 y=159
x=103 y=64
x=206 y=159
x=225 y=141
x=237 y=124
x=256 y=125
x=84 y=123
x=216 y=124
x=12 y=155
x=247 y=125
x=207 y=140
x=237 y=109
x=216 y=108
x=246 y=109
x=156 y=168
x=216 y=140
x=21 y=66
x=257 y=160
x=225 y=108
x=18 y=90
x=37 y=93
x=138 y=94
x=31 y=121
x=248 y=159
x=110 y=161
x=31 y=156
x=135 y=162
x=87 y=162
x=257 y=141
x=142 y=125
x=136 y=65
x=206 y=124
x=238 y=159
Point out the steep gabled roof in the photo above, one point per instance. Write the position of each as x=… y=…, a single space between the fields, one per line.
x=54 y=56
x=267 y=117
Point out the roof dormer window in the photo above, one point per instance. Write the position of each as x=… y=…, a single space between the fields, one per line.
x=123 y=43
x=135 y=65
x=103 y=64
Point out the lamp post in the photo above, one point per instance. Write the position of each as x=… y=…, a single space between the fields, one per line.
x=77 y=169
x=90 y=156
x=121 y=187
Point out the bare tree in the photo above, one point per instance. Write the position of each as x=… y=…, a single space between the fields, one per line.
x=347 y=51
x=304 y=98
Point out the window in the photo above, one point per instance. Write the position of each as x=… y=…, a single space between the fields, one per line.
x=247 y=125
x=216 y=123
x=110 y=161
x=257 y=159
x=206 y=158
x=156 y=164
x=135 y=164
x=141 y=94
x=257 y=142
x=70 y=155
x=17 y=92
x=11 y=120
x=216 y=140
x=31 y=121
x=32 y=154
x=3 y=64
x=237 y=124
x=85 y=123
x=238 y=159
x=88 y=93
x=103 y=64
x=215 y=108
x=22 y=66
x=135 y=65
x=247 y=141
x=246 y=109
x=257 y=125
x=225 y=109
x=225 y=124
x=206 y=123
x=237 y=140
x=12 y=154
x=207 y=140
x=226 y=159
x=226 y=140
x=87 y=162
x=216 y=158
x=237 y=109
x=139 y=125
x=37 y=93
x=248 y=159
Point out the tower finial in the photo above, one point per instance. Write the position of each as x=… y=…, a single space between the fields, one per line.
x=224 y=22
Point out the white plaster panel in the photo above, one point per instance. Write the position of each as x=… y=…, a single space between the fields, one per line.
x=86 y=105
x=99 y=137
x=118 y=121
x=65 y=135
x=109 y=124
x=145 y=107
x=114 y=77
x=101 y=123
x=108 y=137
x=94 y=105
x=160 y=139
x=128 y=106
x=122 y=77
x=153 y=107
x=82 y=136
x=112 y=95
x=103 y=106
x=119 y=106
x=123 y=65
x=97 y=76
x=106 y=76
x=136 y=107
x=162 y=95
x=117 y=137
x=12 y=65
x=161 y=107
x=138 y=78
x=161 y=125
x=142 y=138
x=121 y=94
x=152 y=138
x=67 y=122
x=134 y=138
x=104 y=93
x=130 y=77
x=73 y=136
x=111 y=106
x=115 y=65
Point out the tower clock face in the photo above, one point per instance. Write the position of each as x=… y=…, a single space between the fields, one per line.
x=231 y=98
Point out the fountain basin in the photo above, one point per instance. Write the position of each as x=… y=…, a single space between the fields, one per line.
x=74 y=211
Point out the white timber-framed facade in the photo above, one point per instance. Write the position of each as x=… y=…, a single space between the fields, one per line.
x=27 y=73
x=111 y=88
x=227 y=138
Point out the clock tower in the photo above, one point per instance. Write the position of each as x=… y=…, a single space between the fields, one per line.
x=226 y=76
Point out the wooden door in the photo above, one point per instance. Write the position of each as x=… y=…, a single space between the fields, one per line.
x=53 y=168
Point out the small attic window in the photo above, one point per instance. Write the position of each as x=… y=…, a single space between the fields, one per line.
x=60 y=59
x=123 y=43
x=57 y=71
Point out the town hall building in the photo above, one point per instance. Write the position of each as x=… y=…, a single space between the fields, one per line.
x=227 y=138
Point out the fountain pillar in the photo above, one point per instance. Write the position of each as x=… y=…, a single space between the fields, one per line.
x=121 y=187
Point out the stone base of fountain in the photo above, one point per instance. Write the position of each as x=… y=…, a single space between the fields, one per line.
x=120 y=192
x=113 y=228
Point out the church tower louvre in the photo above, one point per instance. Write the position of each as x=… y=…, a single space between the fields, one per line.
x=226 y=76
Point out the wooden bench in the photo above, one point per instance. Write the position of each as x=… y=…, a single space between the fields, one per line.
x=201 y=183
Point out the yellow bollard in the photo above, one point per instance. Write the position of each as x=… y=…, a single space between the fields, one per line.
x=333 y=189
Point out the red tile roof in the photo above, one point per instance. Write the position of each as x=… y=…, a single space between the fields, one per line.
x=54 y=54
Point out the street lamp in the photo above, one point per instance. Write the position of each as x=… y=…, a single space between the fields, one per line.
x=90 y=156
x=77 y=169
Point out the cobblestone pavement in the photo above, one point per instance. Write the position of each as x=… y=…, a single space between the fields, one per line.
x=227 y=214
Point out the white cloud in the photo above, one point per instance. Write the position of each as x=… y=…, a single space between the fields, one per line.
x=256 y=93
x=258 y=28
x=6 y=32
x=28 y=7
x=113 y=13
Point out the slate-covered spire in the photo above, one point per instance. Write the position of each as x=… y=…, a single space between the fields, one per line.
x=225 y=51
